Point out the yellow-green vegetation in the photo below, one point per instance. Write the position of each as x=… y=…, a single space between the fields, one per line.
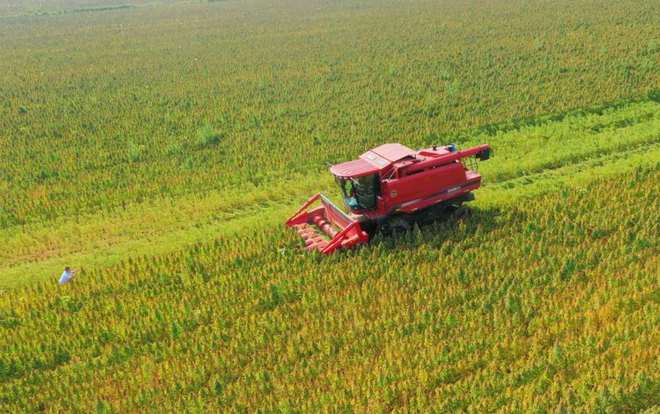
x=526 y=306
x=127 y=106
x=546 y=152
x=160 y=145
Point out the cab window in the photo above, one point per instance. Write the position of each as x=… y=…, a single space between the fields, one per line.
x=360 y=192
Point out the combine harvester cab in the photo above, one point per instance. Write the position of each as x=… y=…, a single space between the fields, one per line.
x=326 y=228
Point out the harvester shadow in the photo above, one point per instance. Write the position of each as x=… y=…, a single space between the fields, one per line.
x=449 y=229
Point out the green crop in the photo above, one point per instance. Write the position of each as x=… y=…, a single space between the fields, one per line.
x=530 y=158
x=158 y=147
x=521 y=307
x=241 y=95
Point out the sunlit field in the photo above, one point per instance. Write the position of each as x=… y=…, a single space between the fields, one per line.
x=158 y=148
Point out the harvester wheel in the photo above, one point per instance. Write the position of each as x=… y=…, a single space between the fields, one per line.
x=460 y=213
x=396 y=226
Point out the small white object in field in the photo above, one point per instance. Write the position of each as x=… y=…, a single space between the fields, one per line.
x=66 y=277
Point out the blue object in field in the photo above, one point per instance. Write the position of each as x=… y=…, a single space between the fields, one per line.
x=452 y=147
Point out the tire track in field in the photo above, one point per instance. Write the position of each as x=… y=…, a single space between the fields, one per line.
x=651 y=150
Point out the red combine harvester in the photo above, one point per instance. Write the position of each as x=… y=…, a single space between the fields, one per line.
x=388 y=189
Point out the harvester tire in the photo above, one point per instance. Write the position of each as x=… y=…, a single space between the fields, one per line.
x=396 y=226
x=460 y=213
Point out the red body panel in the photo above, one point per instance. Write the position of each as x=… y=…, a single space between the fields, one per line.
x=411 y=189
x=407 y=181
x=428 y=177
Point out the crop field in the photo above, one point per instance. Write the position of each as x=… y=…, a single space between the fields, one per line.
x=159 y=146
